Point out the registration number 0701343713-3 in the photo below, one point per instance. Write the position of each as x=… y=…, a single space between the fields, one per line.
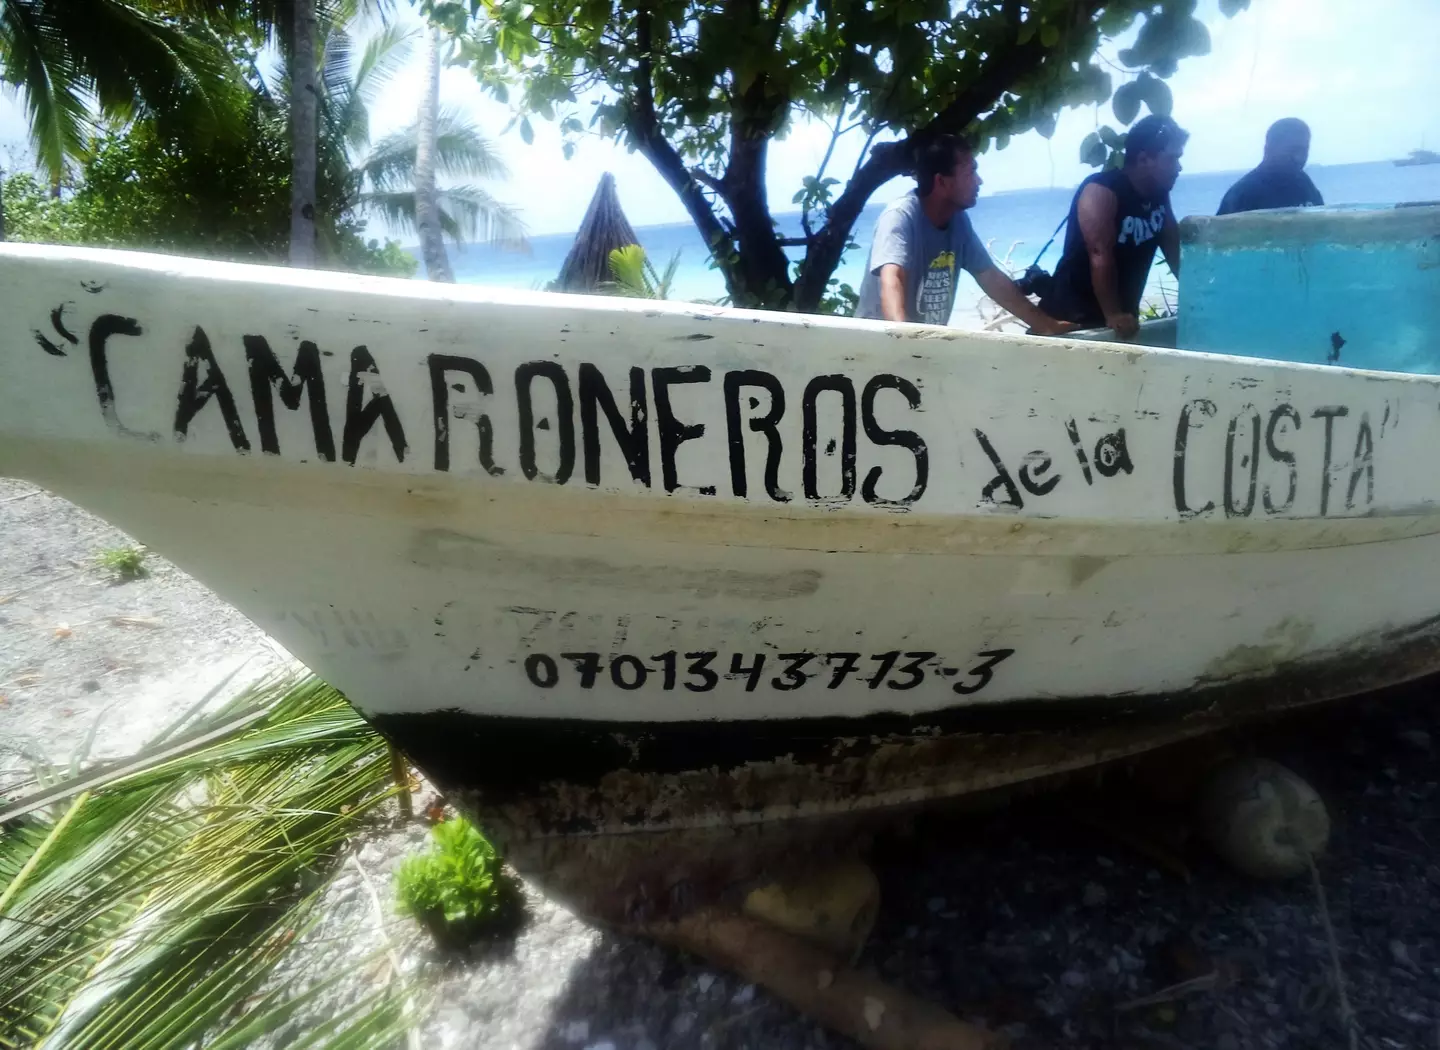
x=702 y=670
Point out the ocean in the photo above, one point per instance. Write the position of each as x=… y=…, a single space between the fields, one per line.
x=1014 y=223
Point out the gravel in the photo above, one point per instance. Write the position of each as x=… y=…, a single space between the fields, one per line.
x=79 y=650
x=1025 y=916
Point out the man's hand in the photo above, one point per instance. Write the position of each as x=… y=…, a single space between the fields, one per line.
x=1009 y=297
x=1125 y=325
x=1050 y=326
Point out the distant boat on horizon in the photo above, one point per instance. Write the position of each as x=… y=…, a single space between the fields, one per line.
x=1418 y=156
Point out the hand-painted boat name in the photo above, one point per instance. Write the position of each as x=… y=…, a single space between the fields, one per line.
x=1242 y=491
x=701 y=671
x=570 y=421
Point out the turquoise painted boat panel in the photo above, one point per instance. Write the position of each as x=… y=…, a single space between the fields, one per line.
x=1358 y=287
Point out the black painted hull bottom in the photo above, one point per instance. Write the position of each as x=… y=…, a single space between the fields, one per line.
x=632 y=822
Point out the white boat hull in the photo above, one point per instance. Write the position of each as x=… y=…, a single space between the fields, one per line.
x=574 y=555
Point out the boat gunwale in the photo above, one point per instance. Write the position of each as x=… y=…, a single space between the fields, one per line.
x=349 y=287
x=1314 y=226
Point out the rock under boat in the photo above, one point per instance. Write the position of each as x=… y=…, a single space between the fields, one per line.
x=661 y=591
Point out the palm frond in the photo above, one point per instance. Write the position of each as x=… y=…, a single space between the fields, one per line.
x=123 y=56
x=382 y=57
x=153 y=911
x=337 y=53
x=384 y=54
x=476 y=216
x=396 y=207
x=33 y=57
x=468 y=214
x=461 y=150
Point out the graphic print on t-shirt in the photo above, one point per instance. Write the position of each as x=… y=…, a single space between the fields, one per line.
x=937 y=290
x=1139 y=230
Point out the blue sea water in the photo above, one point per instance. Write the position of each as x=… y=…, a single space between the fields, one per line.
x=1014 y=223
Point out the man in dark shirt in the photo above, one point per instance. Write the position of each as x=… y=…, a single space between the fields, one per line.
x=1117 y=220
x=1280 y=180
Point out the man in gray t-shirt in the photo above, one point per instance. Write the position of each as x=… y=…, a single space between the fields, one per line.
x=924 y=239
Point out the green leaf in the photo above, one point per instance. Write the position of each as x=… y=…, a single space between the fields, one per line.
x=526 y=131
x=1191 y=38
x=1231 y=8
x=1126 y=102
x=1116 y=18
x=1050 y=35
x=1092 y=151
x=1157 y=95
x=1108 y=135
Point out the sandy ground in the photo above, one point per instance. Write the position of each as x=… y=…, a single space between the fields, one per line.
x=1026 y=917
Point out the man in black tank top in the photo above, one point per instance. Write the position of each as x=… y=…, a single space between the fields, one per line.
x=1117 y=220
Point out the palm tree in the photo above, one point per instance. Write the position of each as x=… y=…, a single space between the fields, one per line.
x=427 y=219
x=74 y=59
x=298 y=27
x=383 y=177
x=304 y=100
x=467 y=213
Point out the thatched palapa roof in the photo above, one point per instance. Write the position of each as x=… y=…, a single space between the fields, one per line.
x=604 y=229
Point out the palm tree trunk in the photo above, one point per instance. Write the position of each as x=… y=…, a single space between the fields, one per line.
x=304 y=98
x=2 y=204
x=427 y=204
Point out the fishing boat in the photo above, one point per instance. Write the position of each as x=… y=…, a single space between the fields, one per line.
x=661 y=592
x=1418 y=157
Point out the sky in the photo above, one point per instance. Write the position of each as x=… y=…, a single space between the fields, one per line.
x=1365 y=76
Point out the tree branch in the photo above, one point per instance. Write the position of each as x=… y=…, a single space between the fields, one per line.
x=824 y=163
x=701 y=175
x=859 y=160
x=996 y=77
x=777 y=23
x=645 y=130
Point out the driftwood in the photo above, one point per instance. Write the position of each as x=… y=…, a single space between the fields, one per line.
x=855 y=1004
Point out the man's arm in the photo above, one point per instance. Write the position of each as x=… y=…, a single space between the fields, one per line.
x=1002 y=289
x=1096 y=213
x=892 y=292
x=1170 y=241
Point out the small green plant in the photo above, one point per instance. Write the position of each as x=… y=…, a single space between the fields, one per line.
x=635 y=276
x=126 y=563
x=457 y=890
